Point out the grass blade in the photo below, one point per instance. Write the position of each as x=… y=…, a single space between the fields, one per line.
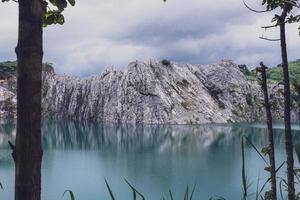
x=297 y=150
x=192 y=194
x=254 y=147
x=186 y=194
x=134 y=190
x=280 y=167
x=256 y=193
x=134 y=194
x=72 y=196
x=269 y=179
x=171 y=196
x=280 y=187
x=109 y=190
x=244 y=179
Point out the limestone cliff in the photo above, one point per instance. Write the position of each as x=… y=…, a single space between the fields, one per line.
x=155 y=92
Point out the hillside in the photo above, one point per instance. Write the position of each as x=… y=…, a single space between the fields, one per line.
x=275 y=73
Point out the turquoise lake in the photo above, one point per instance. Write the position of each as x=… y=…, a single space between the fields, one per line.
x=153 y=158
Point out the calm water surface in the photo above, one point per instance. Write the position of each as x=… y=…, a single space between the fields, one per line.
x=154 y=158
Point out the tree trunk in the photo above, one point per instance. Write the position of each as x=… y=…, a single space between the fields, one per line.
x=28 y=149
x=298 y=102
x=270 y=131
x=287 y=110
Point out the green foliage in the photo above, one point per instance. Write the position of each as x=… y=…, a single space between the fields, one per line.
x=8 y=67
x=275 y=73
x=54 y=15
x=265 y=150
x=53 y=11
x=244 y=69
x=287 y=15
x=250 y=75
x=273 y=4
x=259 y=189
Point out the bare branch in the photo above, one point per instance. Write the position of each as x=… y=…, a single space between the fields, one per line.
x=278 y=24
x=271 y=26
x=257 y=11
x=15 y=1
x=268 y=39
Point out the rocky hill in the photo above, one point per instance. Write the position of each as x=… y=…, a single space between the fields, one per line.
x=152 y=92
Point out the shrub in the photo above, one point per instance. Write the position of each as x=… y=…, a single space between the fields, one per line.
x=166 y=62
x=249 y=99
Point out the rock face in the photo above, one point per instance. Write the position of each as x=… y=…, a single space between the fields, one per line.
x=157 y=92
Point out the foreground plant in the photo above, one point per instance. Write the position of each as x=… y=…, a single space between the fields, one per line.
x=285 y=16
x=136 y=194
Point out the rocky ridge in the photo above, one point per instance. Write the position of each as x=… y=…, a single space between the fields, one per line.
x=153 y=92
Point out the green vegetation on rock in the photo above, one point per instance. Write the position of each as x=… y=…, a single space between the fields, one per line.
x=274 y=73
x=10 y=67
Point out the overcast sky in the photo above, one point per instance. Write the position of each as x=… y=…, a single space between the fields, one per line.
x=101 y=33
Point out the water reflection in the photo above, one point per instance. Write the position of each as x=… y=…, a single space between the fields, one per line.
x=131 y=137
x=153 y=157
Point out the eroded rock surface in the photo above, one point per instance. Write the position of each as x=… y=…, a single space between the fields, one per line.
x=153 y=92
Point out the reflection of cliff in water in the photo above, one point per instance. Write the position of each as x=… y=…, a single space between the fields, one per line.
x=127 y=137
x=7 y=133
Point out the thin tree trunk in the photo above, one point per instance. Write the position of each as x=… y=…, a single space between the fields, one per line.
x=28 y=149
x=270 y=131
x=298 y=102
x=287 y=110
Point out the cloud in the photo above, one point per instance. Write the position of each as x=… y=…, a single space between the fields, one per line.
x=101 y=33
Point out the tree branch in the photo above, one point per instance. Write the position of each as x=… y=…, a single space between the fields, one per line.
x=257 y=11
x=268 y=39
x=271 y=26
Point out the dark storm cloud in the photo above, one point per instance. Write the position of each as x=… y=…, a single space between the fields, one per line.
x=159 y=31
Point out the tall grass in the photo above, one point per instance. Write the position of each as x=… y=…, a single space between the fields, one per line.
x=260 y=189
x=135 y=193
